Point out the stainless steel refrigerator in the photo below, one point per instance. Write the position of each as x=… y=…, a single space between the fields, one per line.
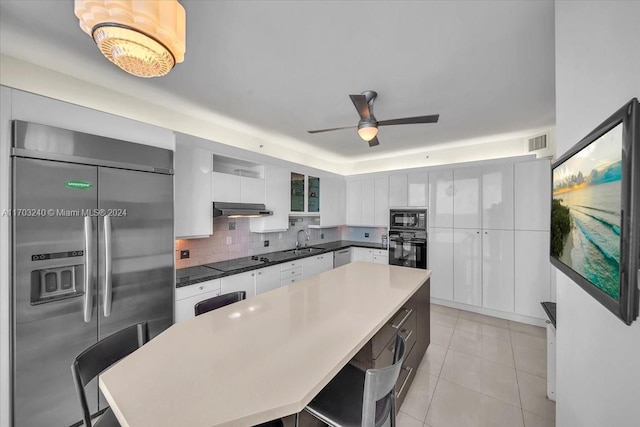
x=93 y=252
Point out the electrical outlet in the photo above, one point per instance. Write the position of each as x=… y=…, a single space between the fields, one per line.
x=232 y=225
x=266 y=243
x=228 y=240
x=322 y=235
x=366 y=234
x=184 y=254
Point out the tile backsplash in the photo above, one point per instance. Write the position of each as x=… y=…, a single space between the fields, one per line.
x=232 y=239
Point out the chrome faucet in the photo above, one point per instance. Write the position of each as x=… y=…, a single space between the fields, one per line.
x=305 y=240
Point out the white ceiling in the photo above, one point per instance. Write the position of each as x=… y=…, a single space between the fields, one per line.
x=279 y=68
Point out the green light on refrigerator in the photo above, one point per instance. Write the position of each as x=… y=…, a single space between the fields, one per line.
x=78 y=185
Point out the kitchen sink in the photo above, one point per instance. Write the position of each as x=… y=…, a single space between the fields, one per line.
x=303 y=251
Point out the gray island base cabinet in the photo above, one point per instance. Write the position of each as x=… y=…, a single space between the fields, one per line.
x=413 y=322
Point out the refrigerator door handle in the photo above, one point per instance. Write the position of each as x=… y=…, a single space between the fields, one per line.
x=107 y=266
x=88 y=270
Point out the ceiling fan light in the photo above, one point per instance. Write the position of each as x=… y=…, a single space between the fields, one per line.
x=367 y=131
x=145 y=38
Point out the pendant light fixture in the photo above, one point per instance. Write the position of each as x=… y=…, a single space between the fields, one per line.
x=145 y=38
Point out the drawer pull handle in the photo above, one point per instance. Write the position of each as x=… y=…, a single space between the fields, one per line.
x=406 y=337
x=406 y=379
x=404 y=319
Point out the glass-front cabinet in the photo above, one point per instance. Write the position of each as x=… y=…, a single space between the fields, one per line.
x=297 y=192
x=305 y=193
x=313 y=201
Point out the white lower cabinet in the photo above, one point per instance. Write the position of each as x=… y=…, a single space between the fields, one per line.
x=267 y=279
x=188 y=296
x=361 y=254
x=440 y=262
x=497 y=270
x=317 y=264
x=290 y=272
x=532 y=272
x=380 y=256
x=467 y=266
x=239 y=282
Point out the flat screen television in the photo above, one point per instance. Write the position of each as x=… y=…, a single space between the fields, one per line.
x=595 y=212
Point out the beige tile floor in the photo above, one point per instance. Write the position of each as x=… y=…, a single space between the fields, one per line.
x=479 y=371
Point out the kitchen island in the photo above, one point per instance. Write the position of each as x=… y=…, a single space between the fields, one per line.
x=265 y=357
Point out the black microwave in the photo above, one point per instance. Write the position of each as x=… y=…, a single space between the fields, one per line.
x=408 y=219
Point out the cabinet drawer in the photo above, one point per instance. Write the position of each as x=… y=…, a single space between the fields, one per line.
x=294 y=272
x=404 y=322
x=290 y=265
x=404 y=381
x=285 y=282
x=381 y=252
x=198 y=288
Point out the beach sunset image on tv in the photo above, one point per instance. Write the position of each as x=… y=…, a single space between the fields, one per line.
x=585 y=212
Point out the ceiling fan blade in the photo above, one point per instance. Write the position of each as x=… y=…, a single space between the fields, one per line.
x=410 y=120
x=329 y=130
x=374 y=142
x=360 y=102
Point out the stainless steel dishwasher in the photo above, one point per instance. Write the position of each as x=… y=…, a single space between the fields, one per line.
x=341 y=257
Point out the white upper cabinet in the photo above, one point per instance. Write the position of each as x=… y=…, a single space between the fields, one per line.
x=236 y=181
x=225 y=187
x=483 y=197
x=467 y=198
x=381 y=208
x=368 y=202
x=441 y=198
x=398 y=190
x=417 y=189
x=252 y=190
x=193 y=208
x=276 y=199
x=333 y=201
x=354 y=202
x=409 y=190
x=236 y=189
x=532 y=195
x=497 y=197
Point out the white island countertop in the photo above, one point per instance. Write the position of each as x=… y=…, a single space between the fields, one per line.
x=259 y=359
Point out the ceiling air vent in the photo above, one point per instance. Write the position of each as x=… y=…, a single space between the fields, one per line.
x=538 y=143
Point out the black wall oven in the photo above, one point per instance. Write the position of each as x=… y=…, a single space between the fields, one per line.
x=408 y=238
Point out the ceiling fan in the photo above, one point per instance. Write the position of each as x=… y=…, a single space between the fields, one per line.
x=368 y=124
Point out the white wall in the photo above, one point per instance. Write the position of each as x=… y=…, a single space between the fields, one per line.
x=597 y=71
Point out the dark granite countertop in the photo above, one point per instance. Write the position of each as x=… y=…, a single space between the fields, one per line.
x=192 y=275
x=550 y=309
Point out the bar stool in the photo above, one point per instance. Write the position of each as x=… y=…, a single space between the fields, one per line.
x=220 y=301
x=355 y=398
x=101 y=355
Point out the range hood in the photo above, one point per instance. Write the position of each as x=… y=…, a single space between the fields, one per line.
x=240 y=210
